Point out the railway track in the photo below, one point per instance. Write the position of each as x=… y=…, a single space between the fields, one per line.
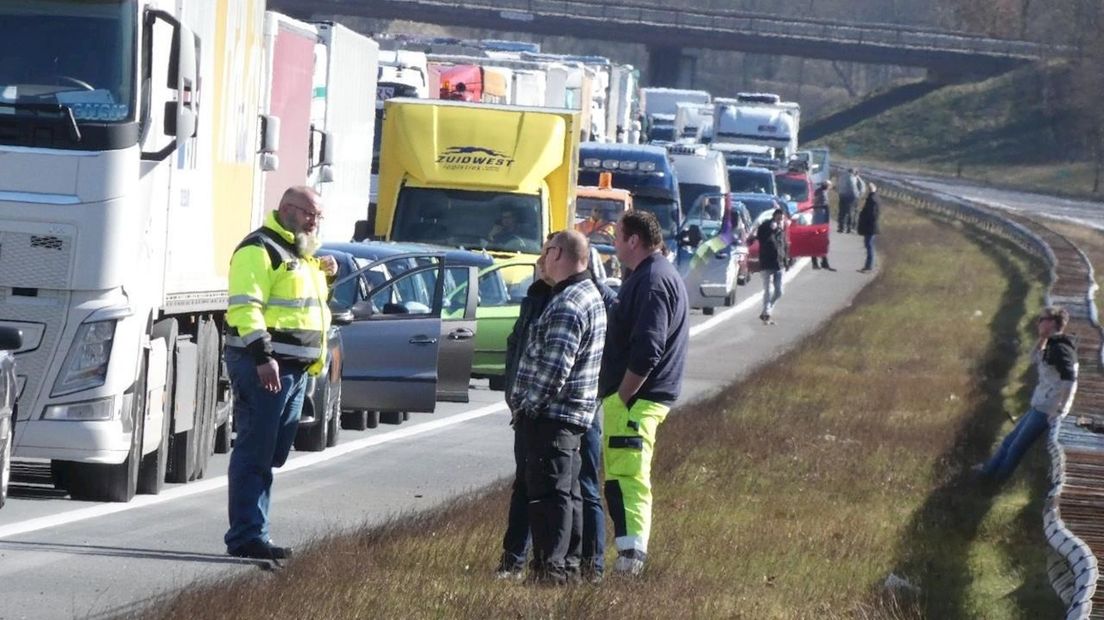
x=1073 y=517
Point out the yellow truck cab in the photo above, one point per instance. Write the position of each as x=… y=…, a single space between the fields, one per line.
x=476 y=176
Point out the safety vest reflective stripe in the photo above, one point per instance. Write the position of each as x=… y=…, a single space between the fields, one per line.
x=242 y=300
x=306 y=353
x=245 y=341
x=304 y=302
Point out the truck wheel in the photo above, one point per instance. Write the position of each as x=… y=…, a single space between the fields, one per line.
x=224 y=434
x=354 y=420
x=730 y=300
x=497 y=383
x=391 y=417
x=373 y=419
x=406 y=416
x=708 y=311
x=313 y=438
x=5 y=462
x=152 y=471
x=204 y=429
x=113 y=483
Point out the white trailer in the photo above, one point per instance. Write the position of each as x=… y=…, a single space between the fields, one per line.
x=758 y=125
x=530 y=87
x=342 y=131
x=118 y=216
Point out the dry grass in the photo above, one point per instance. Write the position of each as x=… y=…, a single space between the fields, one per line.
x=791 y=495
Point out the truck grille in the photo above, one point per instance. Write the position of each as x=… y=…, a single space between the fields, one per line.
x=42 y=319
x=35 y=261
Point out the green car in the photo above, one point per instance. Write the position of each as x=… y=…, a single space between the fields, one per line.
x=502 y=286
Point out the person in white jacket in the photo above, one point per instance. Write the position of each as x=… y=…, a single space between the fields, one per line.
x=1055 y=358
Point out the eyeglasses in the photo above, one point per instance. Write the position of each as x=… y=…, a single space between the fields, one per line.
x=314 y=215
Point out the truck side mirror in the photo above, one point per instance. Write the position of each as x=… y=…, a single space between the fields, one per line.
x=327 y=157
x=270 y=133
x=181 y=116
x=362 y=230
x=325 y=174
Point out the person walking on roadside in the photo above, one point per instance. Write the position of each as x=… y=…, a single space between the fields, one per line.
x=822 y=215
x=773 y=257
x=277 y=322
x=1055 y=359
x=515 y=543
x=868 y=226
x=641 y=379
x=850 y=189
x=554 y=397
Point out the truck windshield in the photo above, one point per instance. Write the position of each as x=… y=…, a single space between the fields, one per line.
x=464 y=219
x=664 y=209
x=605 y=209
x=750 y=181
x=78 y=54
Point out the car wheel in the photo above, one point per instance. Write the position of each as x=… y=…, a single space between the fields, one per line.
x=312 y=438
x=355 y=420
x=497 y=383
x=730 y=300
x=708 y=311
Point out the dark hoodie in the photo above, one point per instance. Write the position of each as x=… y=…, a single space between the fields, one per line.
x=869 y=216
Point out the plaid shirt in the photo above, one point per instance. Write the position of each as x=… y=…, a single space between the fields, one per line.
x=557 y=376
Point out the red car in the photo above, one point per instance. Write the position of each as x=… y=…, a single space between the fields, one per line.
x=797 y=185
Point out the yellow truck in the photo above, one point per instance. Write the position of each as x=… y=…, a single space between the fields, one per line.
x=476 y=176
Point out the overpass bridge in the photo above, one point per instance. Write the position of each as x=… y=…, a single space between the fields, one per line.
x=666 y=32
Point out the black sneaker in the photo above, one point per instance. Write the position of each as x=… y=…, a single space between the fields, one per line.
x=258 y=550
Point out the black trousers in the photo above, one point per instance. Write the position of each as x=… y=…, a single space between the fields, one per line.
x=552 y=467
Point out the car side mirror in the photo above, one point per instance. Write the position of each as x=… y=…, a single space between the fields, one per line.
x=11 y=339
x=345 y=317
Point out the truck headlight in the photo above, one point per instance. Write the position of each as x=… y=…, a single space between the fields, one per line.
x=102 y=409
x=86 y=365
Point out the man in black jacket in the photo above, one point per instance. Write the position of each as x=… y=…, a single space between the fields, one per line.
x=772 y=260
x=645 y=356
x=868 y=226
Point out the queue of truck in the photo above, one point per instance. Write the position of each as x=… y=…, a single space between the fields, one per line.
x=140 y=140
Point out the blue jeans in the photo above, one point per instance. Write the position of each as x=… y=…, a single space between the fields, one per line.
x=594 y=516
x=1030 y=427
x=868 y=241
x=266 y=424
x=771 y=279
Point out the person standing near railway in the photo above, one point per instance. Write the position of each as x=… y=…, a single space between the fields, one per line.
x=868 y=226
x=277 y=320
x=641 y=379
x=850 y=188
x=554 y=397
x=1055 y=359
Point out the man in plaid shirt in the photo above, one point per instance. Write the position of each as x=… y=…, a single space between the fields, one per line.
x=555 y=396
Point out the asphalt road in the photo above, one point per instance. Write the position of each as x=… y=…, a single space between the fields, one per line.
x=1083 y=212
x=62 y=559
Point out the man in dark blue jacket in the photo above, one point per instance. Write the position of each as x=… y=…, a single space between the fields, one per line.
x=773 y=255
x=869 y=226
x=647 y=340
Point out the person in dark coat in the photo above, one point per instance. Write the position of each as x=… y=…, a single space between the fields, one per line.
x=868 y=226
x=821 y=215
x=773 y=257
x=515 y=543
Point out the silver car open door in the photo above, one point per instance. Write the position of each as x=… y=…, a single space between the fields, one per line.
x=454 y=362
x=392 y=337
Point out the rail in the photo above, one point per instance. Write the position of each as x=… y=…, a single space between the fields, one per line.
x=820 y=29
x=1074 y=506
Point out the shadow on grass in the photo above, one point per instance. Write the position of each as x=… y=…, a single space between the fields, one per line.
x=939 y=537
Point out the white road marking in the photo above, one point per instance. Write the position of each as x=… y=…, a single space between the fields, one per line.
x=751 y=301
x=213 y=484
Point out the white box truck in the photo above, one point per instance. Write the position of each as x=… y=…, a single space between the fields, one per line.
x=128 y=158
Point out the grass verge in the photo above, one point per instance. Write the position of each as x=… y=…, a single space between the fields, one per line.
x=790 y=495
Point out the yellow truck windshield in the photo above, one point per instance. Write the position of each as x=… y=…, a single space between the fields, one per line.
x=467 y=219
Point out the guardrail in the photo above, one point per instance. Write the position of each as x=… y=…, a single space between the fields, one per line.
x=1071 y=563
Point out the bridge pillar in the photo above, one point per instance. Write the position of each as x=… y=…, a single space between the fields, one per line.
x=671 y=66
